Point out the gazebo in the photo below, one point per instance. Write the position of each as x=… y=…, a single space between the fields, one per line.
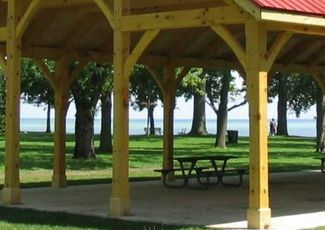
x=254 y=37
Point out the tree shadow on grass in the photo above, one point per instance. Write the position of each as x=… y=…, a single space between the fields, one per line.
x=60 y=219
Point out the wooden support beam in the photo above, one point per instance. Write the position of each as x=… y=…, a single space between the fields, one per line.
x=285 y=17
x=3 y=34
x=276 y=48
x=250 y=7
x=11 y=193
x=107 y=10
x=139 y=49
x=27 y=17
x=259 y=213
x=120 y=198
x=320 y=79
x=73 y=75
x=183 y=19
x=3 y=63
x=61 y=90
x=181 y=75
x=233 y=43
x=49 y=75
x=169 y=79
x=159 y=80
x=296 y=28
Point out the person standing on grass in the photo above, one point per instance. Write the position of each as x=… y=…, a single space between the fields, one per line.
x=272 y=127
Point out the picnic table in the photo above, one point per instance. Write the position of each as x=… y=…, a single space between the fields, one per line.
x=215 y=166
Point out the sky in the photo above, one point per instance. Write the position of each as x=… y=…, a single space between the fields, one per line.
x=184 y=110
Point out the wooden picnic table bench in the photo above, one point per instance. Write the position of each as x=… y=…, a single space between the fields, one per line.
x=185 y=176
x=188 y=165
x=220 y=174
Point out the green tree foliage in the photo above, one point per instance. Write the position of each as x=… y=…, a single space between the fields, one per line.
x=35 y=87
x=300 y=91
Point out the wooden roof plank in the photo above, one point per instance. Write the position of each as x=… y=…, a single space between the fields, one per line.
x=3 y=34
x=182 y=19
x=27 y=17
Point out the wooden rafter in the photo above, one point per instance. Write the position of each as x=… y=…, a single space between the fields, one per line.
x=72 y=76
x=182 y=19
x=284 y=17
x=182 y=74
x=276 y=48
x=3 y=34
x=138 y=50
x=50 y=76
x=233 y=43
x=158 y=78
x=320 y=81
x=317 y=57
x=28 y=15
x=107 y=10
x=296 y=28
x=3 y=62
x=250 y=7
x=291 y=55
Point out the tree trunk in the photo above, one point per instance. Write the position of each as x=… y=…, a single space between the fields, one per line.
x=282 y=128
x=105 y=142
x=223 y=111
x=151 y=120
x=48 y=118
x=320 y=122
x=199 y=120
x=84 y=132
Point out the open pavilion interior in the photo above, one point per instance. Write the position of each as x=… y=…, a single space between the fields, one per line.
x=254 y=37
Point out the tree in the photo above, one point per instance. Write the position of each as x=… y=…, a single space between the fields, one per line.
x=320 y=120
x=296 y=92
x=105 y=142
x=86 y=91
x=35 y=87
x=220 y=86
x=194 y=85
x=145 y=93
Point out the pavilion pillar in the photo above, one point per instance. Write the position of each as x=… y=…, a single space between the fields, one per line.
x=259 y=212
x=169 y=105
x=61 y=89
x=120 y=198
x=11 y=193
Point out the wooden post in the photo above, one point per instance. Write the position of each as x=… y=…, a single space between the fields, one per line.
x=11 y=193
x=169 y=104
x=259 y=213
x=59 y=178
x=120 y=199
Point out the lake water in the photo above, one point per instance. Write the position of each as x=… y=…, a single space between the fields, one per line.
x=297 y=127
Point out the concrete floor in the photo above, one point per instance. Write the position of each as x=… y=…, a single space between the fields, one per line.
x=297 y=201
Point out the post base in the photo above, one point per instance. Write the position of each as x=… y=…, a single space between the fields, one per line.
x=119 y=207
x=259 y=218
x=11 y=196
x=59 y=181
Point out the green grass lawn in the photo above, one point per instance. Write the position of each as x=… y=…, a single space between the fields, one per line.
x=285 y=154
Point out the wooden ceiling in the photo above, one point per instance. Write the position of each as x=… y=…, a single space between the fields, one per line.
x=79 y=29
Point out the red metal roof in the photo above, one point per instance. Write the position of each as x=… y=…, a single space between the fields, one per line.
x=316 y=7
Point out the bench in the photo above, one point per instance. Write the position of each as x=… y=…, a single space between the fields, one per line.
x=185 y=177
x=322 y=159
x=208 y=174
x=157 y=130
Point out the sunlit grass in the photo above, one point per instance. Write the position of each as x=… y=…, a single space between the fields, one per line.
x=285 y=154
